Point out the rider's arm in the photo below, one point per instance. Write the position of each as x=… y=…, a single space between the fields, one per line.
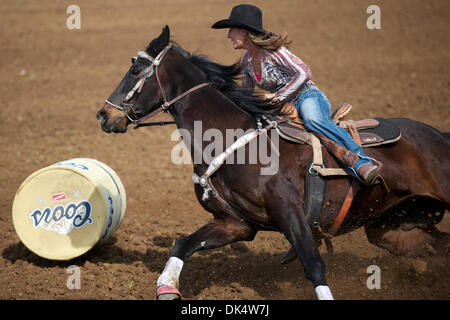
x=301 y=75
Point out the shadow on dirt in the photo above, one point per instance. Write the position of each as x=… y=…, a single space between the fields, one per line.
x=106 y=252
x=230 y=265
x=234 y=267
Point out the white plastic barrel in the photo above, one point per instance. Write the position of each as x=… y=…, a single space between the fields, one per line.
x=60 y=212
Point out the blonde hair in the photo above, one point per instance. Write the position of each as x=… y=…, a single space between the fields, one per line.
x=269 y=41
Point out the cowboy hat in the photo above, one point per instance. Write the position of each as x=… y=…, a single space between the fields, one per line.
x=243 y=16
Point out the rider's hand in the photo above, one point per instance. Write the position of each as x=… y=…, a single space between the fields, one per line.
x=269 y=96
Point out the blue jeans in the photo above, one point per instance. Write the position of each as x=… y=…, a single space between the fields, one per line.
x=314 y=108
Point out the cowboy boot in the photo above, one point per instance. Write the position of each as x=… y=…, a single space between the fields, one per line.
x=341 y=111
x=367 y=173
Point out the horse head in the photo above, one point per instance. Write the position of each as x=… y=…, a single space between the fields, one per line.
x=128 y=103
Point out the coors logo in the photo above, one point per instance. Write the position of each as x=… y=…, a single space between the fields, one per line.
x=62 y=219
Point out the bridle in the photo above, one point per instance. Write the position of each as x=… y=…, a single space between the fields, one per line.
x=146 y=74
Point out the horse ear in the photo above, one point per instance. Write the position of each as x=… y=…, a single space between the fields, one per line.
x=163 y=39
x=159 y=43
x=165 y=35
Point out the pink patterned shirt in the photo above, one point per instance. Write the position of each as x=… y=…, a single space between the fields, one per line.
x=282 y=73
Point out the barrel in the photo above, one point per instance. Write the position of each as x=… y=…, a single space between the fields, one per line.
x=62 y=211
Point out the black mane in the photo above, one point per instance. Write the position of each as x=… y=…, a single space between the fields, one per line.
x=225 y=78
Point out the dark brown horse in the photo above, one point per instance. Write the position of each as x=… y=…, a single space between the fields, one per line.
x=416 y=168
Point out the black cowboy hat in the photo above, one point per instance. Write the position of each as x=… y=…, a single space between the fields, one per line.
x=243 y=16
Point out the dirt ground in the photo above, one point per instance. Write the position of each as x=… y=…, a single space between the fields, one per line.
x=53 y=81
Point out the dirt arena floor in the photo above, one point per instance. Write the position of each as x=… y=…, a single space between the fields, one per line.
x=54 y=80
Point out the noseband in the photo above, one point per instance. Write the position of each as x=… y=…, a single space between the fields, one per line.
x=146 y=74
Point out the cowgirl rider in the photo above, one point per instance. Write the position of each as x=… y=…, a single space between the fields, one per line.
x=268 y=64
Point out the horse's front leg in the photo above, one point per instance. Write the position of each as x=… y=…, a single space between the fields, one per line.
x=288 y=216
x=216 y=233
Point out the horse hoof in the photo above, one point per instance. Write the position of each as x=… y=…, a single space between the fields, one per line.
x=169 y=296
x=167 y=293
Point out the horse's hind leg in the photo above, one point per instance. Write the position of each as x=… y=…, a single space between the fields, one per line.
x=409 y=228
x=216 y=233
x=399 y=241
x=408 y=238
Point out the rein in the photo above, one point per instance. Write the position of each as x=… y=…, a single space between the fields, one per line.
x=146 y=74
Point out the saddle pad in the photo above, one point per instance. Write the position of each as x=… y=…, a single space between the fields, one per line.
x=372 y=132
x=386 y=132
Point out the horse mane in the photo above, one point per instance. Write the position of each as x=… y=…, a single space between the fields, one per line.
x=224 y=78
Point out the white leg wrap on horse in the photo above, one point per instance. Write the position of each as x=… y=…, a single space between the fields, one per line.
x=171 y=273
x=324 y=293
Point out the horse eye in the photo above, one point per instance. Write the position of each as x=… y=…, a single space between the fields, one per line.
x=134 y=71
x=133 y=59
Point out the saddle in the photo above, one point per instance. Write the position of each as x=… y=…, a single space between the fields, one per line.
x=370 y=132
